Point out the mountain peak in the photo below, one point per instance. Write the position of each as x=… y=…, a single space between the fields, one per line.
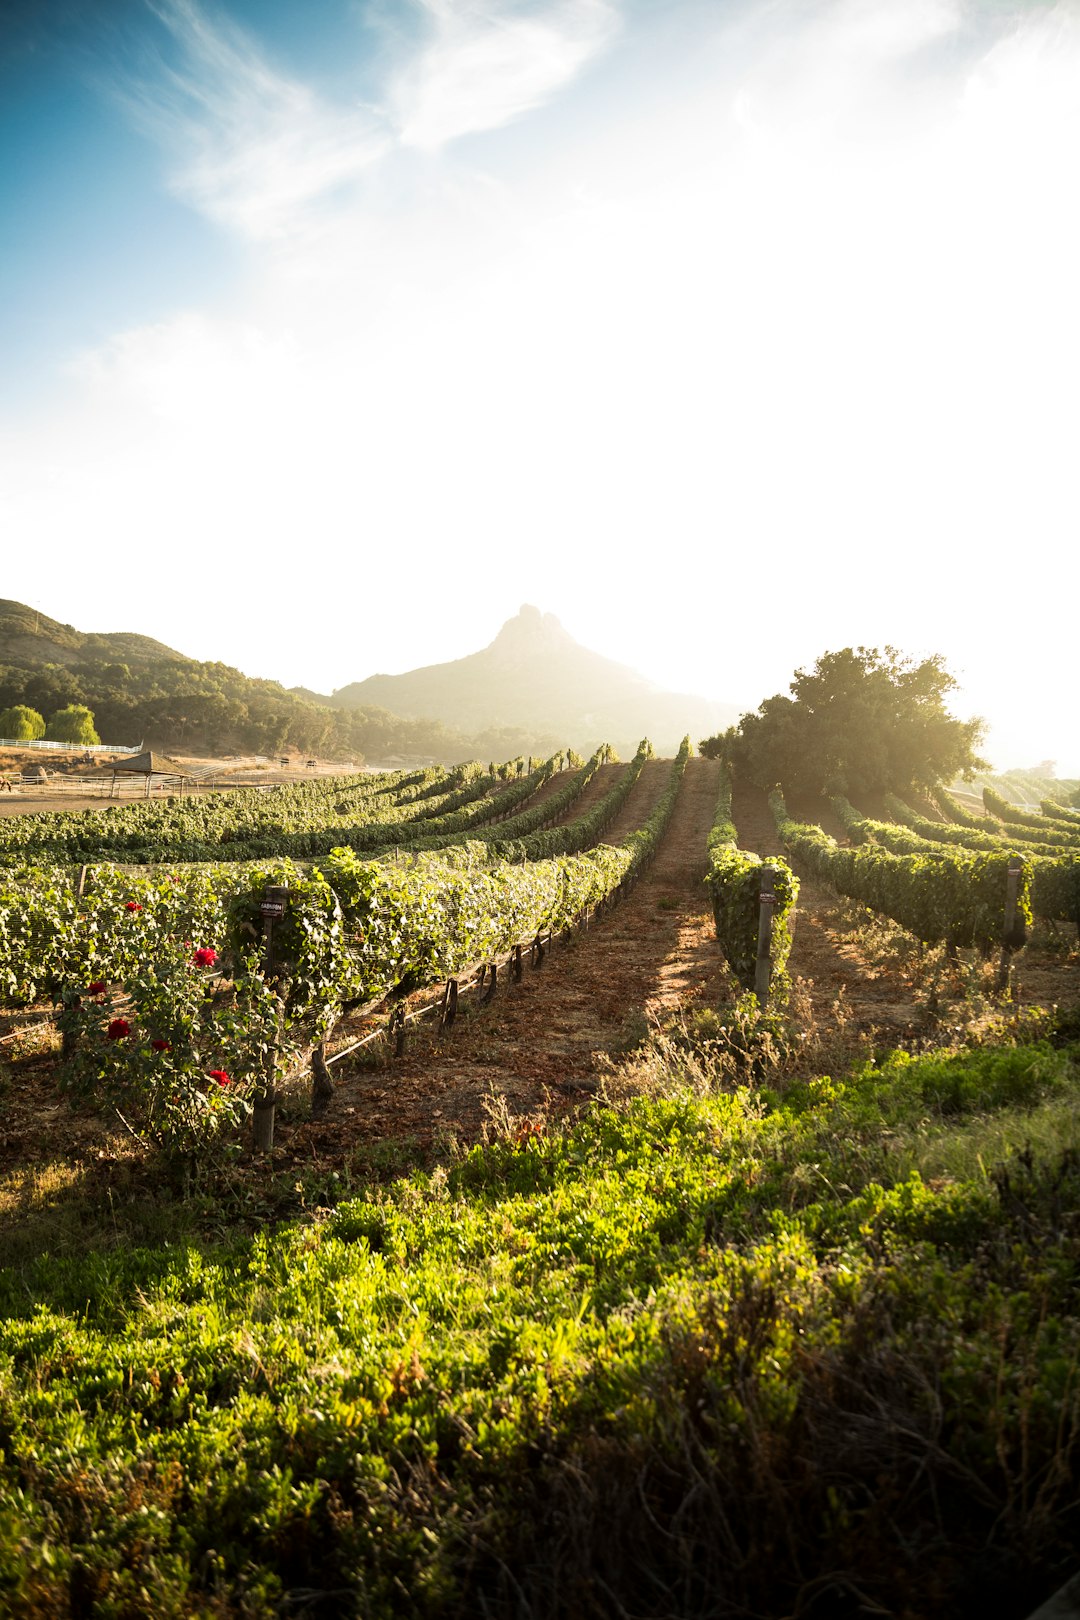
x=530 y=630
x=535 y=677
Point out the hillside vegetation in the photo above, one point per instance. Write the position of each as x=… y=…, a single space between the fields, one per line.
x=142 y=691
x=531 y=691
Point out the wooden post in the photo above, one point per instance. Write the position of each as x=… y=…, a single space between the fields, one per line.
x=263 y=1105
x=766 y=902
x=450 y=1001
x=396 y=1027
x=322 y=1087
x=67 y=1040
x=264 y=1102
x=1012 y=894
x=272 y=907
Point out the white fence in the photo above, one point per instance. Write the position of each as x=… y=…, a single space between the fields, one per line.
x=99 y=784
x=123 y=786
x=70 y=748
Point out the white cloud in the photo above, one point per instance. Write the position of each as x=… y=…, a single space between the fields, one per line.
x=880 y=31
x=263 y=154
x=190 y=370
x=851 y=70
x=251 y=148
x=488 y=63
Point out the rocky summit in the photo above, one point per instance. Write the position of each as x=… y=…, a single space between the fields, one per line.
x=536 y=677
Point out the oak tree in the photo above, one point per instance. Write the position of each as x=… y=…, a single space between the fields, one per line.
x=861 y=721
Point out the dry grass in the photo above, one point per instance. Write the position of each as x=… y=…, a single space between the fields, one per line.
x=31 y=1041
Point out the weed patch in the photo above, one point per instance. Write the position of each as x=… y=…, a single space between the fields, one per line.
x=763 y=1342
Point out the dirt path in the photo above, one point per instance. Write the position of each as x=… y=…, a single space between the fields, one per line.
x=843 y=981
x=28 y=804
x=601 y=783
x=822 y=955
x=541 y=1045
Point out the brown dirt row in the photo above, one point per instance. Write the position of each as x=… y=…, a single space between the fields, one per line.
x=832 y=970
x=541 y=1046
x=844 y=982
x=601 y=783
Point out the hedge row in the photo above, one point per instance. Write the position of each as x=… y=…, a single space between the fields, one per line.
x=947 y=895
x=183 y=1066
x=1055 y=873
x=734 y=882
x=1017 y=819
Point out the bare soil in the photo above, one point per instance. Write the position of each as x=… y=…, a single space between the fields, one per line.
x=823 y=957
x=602 y=783
x=62 y=792
x=541 y=1045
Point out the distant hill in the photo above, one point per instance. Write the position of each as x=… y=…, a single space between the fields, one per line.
x=29 y=637
x=535 y=676
x=533 y=690
x=144 y=692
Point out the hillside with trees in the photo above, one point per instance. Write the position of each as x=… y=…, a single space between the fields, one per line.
x=139 y=690
x=532 y=691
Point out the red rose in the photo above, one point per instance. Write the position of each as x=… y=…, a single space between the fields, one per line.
x=133 y=905
x=118 y=1029
x=220 y=1076
x=160 y=1046
x=205 y=956
x=95 y=989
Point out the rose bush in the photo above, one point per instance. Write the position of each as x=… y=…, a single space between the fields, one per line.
x=178 y=1066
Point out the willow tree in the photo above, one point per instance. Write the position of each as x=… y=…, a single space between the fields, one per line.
x=75 y=724
x=21 y=723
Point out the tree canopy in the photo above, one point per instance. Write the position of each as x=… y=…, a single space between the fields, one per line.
x=862 y=720
x=21 y=724
x=181 y=705
x=75 y=724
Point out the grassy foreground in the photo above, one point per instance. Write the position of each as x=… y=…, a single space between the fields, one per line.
x=804 y=1352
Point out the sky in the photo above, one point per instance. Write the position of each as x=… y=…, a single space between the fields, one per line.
x=731 y=332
